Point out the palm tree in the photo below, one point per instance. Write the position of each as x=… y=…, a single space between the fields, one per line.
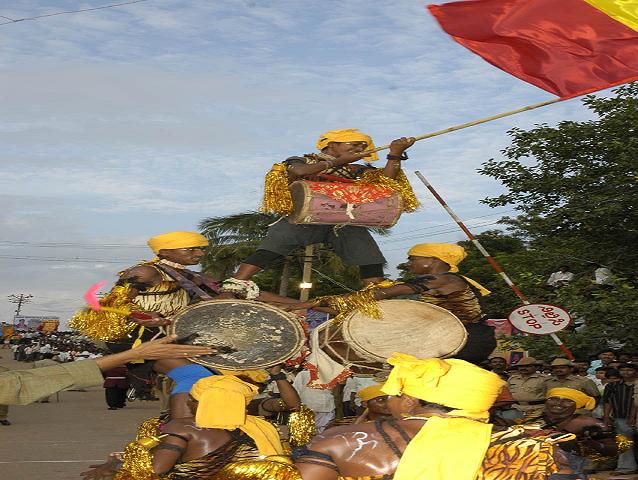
x=234 y=237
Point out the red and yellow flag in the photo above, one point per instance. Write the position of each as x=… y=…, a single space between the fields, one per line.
x=566 y=47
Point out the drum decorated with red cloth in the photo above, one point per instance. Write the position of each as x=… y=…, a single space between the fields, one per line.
x=341 y=203
x=363 y=344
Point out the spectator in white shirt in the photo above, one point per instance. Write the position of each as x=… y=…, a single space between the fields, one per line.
x=560 y=278
x=320 y=401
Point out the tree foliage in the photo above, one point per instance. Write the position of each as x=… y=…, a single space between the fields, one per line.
x=576 y=188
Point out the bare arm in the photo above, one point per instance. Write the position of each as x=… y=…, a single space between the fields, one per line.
x=153 y=350
x=270 y=297
x=171 y=448
x=397 y=147
x=289 y=395
x=301 y=170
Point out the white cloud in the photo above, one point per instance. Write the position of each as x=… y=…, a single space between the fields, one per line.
x=122 y=123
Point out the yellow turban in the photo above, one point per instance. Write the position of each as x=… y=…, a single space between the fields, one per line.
x=347 y=135
x=173 y=240
x=257 y=376
x=468 y=389
x=581 y=399
x=448 y=253
x=368 y=393
x=222 y=404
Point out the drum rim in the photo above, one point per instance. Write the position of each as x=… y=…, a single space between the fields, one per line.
x=347 y=336
x=300 y=334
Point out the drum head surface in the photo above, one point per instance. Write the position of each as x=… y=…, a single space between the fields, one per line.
x=250 y=335
x=407 y=326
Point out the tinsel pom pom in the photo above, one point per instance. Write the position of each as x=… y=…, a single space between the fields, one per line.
x=269 y=468
x=277 y=198
x=399 y=184
x=362 y=301
x=104 y=325
x=302 y=427
x=138 y=464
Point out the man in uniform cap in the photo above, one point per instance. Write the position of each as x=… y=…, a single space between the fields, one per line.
x=562 y=377
x=527 y=385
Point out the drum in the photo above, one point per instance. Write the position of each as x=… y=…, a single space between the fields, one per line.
x=421 y=329
x=337 y=203
x=249 y=335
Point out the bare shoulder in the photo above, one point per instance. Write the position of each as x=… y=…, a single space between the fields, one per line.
x=142 y=273
x=180 y=426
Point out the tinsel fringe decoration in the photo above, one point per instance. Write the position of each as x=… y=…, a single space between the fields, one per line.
x=138 y=461
x=400 y=184
x=623 y=443
x=138 y=464
x=277 y=198
x=269 y=468
x=362 y=301
x=302 y=427
x=103 y=325
x=599 y=460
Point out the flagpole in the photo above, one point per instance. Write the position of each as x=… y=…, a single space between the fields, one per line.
x=488 y=257
x=476 y=122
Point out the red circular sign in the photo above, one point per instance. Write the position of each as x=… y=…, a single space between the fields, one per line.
x=539 y=318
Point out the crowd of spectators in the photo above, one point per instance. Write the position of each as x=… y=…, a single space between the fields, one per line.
x=608 y=378
x=32 y=346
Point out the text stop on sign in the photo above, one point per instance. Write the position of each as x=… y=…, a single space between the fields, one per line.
x=539 y=318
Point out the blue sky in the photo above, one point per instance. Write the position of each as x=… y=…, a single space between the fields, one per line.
x=119 y=124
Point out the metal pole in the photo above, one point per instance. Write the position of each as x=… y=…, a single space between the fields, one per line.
x=488 y=257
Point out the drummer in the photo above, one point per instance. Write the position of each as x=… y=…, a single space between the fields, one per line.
x=157 y=289
x=216 y=433
x=439 y=432
x=353 y=244
x=438 y=282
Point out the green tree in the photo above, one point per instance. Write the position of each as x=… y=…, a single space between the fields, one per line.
x=575 y=186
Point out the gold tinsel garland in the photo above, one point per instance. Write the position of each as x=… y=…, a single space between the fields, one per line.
x=302 y=427
x=138 y=461
x=277 y=198
x=599 y=460
x=275 y=467
x=400 y=184
x=104 y=325
x=362 y=301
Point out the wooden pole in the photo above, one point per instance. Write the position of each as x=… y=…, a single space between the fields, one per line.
x=475 y=122
x=304 y=293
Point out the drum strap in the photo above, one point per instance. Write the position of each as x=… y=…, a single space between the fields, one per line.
x=189 y=284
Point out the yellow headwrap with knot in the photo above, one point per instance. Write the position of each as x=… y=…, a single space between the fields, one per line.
x=347 y=135
x=448 y=253
x=173 y=240
x=222 y=404
x=455 y=443
x=581 y=399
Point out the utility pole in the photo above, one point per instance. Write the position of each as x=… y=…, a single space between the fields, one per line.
x=305 y=285
x=20 y=299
